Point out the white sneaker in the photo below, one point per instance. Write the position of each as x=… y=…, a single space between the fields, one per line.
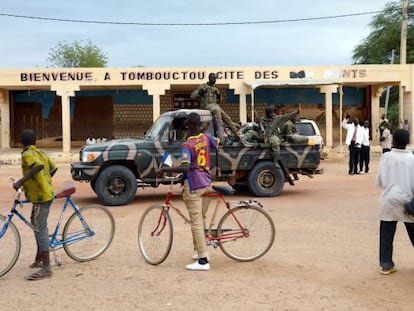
x=196 y=257
x=195 y=266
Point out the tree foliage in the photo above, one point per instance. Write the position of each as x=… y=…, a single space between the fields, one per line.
x=77 y=54
x=386 y=36
x=377 y=47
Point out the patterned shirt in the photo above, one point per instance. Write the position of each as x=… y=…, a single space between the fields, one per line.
x=196 y=152
x=38 y=189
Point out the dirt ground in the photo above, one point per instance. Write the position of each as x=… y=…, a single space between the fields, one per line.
x=325 y=257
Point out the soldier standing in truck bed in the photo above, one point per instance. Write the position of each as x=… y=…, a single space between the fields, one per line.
x=209 y=96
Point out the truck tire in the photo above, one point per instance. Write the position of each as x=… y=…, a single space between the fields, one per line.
x=116 y=185
x=266 y=179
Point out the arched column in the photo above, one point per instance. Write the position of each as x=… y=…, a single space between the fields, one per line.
x=242 y=91
x=376 y=92
x=406 y=110
x=4 y=119
x=408 y=106
x=66 y=92
x=156 y=90
x=328 y=90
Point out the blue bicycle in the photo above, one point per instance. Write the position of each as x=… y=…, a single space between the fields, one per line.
x=86 y=235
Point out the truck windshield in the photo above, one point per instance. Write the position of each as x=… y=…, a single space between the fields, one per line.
x=158 y=125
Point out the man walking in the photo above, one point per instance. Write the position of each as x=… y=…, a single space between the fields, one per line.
x=396 y=177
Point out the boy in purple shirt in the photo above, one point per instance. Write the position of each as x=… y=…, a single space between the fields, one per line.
x=195 y=164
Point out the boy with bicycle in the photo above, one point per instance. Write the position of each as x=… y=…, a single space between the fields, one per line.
x=195 y=164
x=38 y=170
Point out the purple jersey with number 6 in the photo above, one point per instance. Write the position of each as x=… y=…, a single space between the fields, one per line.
x=196 y=152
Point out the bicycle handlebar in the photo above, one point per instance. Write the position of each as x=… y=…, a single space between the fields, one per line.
x=173 y=178
x=19 y=191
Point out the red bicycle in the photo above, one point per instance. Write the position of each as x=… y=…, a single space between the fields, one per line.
x=244 y=233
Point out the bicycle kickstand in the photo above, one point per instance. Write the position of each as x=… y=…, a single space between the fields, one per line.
x=58 y=261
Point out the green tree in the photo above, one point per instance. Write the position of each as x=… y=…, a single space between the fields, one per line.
x=377 y=47
x=77 y=54
x=385 y=36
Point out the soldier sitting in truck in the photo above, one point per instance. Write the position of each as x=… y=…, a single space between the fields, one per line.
x=288 y=128
x=289 y=133
x=269 y=130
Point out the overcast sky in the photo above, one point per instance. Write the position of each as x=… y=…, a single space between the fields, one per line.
x=27 y=42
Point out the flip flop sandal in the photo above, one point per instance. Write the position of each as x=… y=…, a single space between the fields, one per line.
x=39 y=275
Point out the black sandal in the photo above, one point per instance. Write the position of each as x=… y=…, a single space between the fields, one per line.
x=39 y=275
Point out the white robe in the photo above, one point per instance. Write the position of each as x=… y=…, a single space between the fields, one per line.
x=396 y=177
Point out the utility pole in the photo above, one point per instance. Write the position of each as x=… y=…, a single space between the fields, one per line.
x=403 y=44
x=387 y=94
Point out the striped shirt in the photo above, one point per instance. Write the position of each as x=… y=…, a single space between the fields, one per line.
x=196 y=152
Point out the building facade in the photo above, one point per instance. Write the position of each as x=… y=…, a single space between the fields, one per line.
x=70 y=104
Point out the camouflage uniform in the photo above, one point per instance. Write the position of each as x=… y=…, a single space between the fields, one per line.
x=271 y=127
x=288 y=128
x=210 y=101
x=252 y=134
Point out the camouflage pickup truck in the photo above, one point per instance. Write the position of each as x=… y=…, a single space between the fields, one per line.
x=117 y=167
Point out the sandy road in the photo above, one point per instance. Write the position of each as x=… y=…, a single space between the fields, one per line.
x=324 y=258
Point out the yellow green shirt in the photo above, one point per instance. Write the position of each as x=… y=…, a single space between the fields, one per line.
x=39 y=188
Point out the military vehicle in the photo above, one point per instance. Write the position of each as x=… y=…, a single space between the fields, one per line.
x=117 y=167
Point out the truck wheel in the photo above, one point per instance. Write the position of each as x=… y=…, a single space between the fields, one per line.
x=266 y=179
x=116 y=185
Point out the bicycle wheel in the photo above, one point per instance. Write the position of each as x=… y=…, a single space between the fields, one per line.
x=155 y=235
x=250 y=242
x=9 y=246
x=89 y=246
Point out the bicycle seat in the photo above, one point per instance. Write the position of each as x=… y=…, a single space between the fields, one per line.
x=67 y=189
x=224 y=189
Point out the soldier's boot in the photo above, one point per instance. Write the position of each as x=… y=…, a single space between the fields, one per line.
x=278 y=161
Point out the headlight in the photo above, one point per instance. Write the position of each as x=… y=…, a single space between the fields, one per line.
x=89 y=156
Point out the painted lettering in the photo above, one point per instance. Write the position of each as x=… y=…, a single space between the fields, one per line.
x=229 y=75
x=354 y=73
x=55 y=76
x=266 y=74
x=180 y=75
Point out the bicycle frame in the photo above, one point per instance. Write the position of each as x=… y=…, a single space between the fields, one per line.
x=209 y=234
x=54 y=240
